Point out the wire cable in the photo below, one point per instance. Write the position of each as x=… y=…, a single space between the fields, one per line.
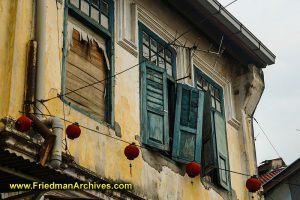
x=143 y=147
x=266 y=137
x=110 y=77
x=121 y=72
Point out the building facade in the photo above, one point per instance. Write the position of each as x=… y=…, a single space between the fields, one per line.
x=179 y=79
x=285 y=184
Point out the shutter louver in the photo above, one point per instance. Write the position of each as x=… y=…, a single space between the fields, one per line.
x=154 y=107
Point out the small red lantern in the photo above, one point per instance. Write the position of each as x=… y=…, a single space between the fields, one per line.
x=73 y=131
x=253 y=184
x=131 y=151
x=23 y=124
x=193 y=169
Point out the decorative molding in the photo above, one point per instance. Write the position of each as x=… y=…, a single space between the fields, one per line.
x=230 y=114
x=148 y=20
x=183 y=58
x=127 y=35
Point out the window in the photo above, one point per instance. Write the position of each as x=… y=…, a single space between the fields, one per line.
x=157 y=89
x=87 y=58
x=157 y=51
x=186 y=125
x=97 y=10
x=214 y=140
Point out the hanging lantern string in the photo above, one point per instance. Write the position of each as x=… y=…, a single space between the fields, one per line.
x=84 y=128
x=235 y=172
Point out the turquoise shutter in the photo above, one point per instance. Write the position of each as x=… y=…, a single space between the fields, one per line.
x=222 y=151
x=188 y=124
x=215 y=152
x=155 y=124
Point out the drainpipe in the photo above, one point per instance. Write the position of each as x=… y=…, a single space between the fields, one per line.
x=55 y=123
x=41 y=39
x=57 y=128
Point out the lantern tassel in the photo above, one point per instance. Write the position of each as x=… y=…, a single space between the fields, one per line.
x=130 y=169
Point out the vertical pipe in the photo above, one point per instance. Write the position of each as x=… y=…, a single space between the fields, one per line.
x=31 y=69
x=57 y=127
x=41 y=39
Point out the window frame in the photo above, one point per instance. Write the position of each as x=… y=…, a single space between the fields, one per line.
x=73 y=11
x=77 y=11
x=198 y=72
x=142 y=28
x=143 y=61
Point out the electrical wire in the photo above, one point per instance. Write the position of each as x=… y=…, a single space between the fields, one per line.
x=266 y=137
x=142 y=147
x=121 y=72
x=64 y=119
x=108 y=78
x=64 y=142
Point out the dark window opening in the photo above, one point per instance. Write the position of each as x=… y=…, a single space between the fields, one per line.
x=171 y=106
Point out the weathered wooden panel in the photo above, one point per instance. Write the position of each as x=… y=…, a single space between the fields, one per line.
x=187 y=146
x=221 y=140
x=86 y=65
x=156 y=127
x=187 y=142
x=84 y=104
x=155 y=108
x=89 y=51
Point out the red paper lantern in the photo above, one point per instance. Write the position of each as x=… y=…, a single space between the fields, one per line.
x=73 y=131
x=253 y=184
x=23 y=124
x=131 y=151
x=193 y=169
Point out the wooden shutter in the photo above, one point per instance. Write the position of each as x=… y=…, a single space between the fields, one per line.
x=187 y=141
x=208 y=142
x=155 y=125
x=85 y=65
x=215 y=152
x=222 y=151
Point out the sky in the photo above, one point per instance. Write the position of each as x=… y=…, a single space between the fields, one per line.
x=277 y=24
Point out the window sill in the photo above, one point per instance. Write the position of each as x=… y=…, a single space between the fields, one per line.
x=76 y=108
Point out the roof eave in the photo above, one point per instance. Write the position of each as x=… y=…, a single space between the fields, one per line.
x=235 y=29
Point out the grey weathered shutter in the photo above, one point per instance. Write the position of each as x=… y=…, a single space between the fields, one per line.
x=215 y=152
x=155 y=124
x=208 y=142
x=187 y=138
x=222 y=151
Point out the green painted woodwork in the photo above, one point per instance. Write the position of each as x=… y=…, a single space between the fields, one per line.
x=70 y=9
x=214 y=138
x=153 y=88
x=155 y=124
x=222 y=152
x=187 y=141
x=159 y=49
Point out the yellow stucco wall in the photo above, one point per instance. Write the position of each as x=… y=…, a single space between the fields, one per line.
x=15 y=33
x=97 y=152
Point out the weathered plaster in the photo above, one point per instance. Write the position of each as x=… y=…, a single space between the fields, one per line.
x=154 y=176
